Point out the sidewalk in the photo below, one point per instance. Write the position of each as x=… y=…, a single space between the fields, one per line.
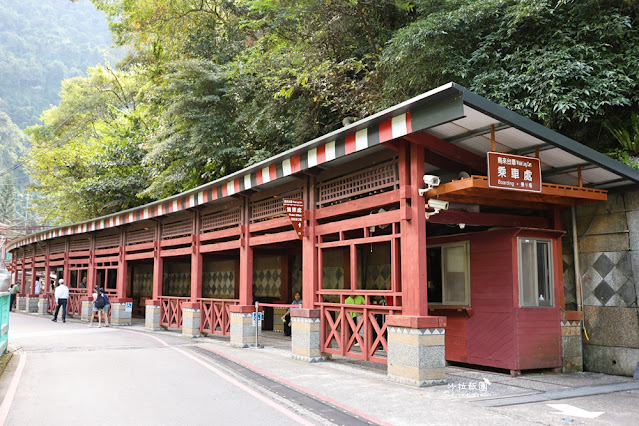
x=470 y=397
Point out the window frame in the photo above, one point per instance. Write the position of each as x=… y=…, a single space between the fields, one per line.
x=466 y=246
x=535 y=269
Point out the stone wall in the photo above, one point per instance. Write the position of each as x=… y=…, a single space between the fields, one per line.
x=609 y=267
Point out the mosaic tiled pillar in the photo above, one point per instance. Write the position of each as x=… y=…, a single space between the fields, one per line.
x=571 y=346
x=21 y=303
x=306 y=335
x=191 y=319
x=87 y=309
x=416 y=353
x=242 y=328
x=121 y=310
x=42 y=305
x=152 y=315
x=32 y=303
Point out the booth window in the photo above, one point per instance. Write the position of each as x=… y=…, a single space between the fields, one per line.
x=535 y=272
x=449 y=273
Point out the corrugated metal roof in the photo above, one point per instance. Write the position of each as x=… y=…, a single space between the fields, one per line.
x=450 y=112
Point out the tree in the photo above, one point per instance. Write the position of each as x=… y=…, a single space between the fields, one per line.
x=7 y=199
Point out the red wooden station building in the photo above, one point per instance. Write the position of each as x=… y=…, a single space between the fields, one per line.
x=443 y=213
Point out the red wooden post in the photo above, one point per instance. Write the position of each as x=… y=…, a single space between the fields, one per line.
x=309 y=251
x=246 y=269
x=47 y=273
x=559 y=262
x=158 y=271
x=33 y=276
x=413 y=240
x=196 y=260
x=122 y=275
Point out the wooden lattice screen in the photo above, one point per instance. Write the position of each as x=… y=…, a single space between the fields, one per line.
x=107 y=241
x=57 y=247
x=80 y=245
x=183 y=228
x=41 y=249
x=220 y=220
x=356 y=185
x=140 y=236
x=271 y=207
x=28 y=252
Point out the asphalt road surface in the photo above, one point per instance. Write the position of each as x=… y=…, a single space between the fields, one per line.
x=68 y=373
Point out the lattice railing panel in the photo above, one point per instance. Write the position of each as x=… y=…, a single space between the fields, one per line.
x=355 y=185
x=80 y=245
x=183 y=228
x=107 y=241
x=171 y=311
x=57 y=247
x=271 y=207
x=140 y=236
x=215 y=315
x=220 y=220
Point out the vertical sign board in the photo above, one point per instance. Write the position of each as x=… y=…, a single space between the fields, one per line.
x=295 y=211
x=514 y=172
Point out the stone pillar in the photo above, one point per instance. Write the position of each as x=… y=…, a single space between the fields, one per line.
x=152 y=315
x=32 y=303
x=191 y=319
x=121 y=312
x=21 y=303
x=416 y=354
x=306 y=335
x=242 y=328
x=571 y=344
x=43 y=305
x=87 y=309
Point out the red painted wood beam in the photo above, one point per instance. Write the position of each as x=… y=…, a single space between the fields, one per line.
x=374 y=202
x=224 y=233
x=138 y=256
x=449 y=150
x=491 y=219
x=227 y=245
x=359 y=222
x=274 y=238
x=176 y=252
x=270 y=224
x=176 y=241
x=139 y=247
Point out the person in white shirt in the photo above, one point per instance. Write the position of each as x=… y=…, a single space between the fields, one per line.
x=38 y=286
x=61 y=297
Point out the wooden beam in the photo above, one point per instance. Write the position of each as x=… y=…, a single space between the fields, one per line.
x=447 y=149
x=490 y=219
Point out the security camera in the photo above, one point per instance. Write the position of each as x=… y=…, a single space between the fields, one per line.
x=430 y=181
x=437 y=204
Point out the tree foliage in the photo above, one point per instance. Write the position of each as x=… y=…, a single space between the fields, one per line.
x=211 y=86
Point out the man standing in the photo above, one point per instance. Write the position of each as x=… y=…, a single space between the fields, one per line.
x=61 y=297
x=38 y=286
x=15 y=289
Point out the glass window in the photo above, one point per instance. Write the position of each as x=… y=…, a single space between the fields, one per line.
x=535 y=272
x=449 y=273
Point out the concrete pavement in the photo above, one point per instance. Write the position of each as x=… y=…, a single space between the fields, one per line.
x=320 y=392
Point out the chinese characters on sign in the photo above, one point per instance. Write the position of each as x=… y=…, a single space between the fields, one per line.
x=295 y=211
x=515 y=172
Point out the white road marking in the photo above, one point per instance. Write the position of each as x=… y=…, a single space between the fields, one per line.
x=572 y=411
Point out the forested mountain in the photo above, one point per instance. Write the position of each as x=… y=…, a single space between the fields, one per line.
x=13 y=179
x=213 y=86
x=43 y=42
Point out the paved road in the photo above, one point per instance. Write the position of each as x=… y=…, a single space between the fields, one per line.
x=73 y=374
x=69 y=372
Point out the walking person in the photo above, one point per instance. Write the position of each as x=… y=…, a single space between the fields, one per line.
x=61 y=297
x=106 y=309
x=99 y=301
x=15 y=289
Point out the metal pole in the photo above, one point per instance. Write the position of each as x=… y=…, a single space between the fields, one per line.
x=257 y=323
x=575 y=254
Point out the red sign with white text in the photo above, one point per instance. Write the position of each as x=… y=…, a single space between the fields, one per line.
x=514 y=172
x=295 y=211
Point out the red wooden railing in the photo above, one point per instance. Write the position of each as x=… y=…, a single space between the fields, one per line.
x=171 y=311
x=50 y=302
x=215 y=317
x=362 y=337
x=74 y=303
